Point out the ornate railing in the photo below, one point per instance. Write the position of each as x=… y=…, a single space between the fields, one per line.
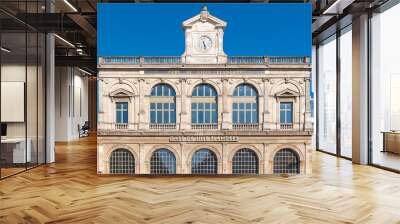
x=162 y=126
x=204 y=126
x=286 y=126
x=232 y=60
x=245 y=126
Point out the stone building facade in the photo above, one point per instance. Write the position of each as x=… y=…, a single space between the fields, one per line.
x=204 y=112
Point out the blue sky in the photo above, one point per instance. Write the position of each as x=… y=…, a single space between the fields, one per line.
x=156 y=29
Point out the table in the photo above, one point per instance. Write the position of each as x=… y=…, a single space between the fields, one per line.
x=391 y=141
x=13 y=150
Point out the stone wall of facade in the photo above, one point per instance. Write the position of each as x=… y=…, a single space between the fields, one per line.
x=273 y=85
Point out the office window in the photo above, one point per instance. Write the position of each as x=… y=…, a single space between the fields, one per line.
x=163 y=162
x=326 y=95
x=245 y=161
x=286 y=161
x=385 y=88
x=204 y=161
x=286 y=114
x=346 y=75
x=122 y=162
x=204 y=105
x=121 y=113
x=245 y=105
x=162 y=105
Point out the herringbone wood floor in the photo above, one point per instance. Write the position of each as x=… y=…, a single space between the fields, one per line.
x=69 y=191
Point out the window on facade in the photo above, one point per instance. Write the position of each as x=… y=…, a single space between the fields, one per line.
x=162 y=105
x=204 y=161
x=122 y=162
x=163 y=162
x=286 y=114
x=204 y=105
x=245 y=161
x=121 y=113
x=245 y=105
x=286 y=161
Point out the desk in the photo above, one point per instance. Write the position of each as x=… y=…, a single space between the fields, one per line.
x=15 y=148
x=391 y=142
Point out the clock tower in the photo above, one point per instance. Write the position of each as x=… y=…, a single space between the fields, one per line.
x=204 y=39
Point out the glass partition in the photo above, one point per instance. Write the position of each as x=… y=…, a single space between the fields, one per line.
x=22 y=77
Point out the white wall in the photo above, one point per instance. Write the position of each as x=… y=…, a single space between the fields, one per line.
x=71 y=102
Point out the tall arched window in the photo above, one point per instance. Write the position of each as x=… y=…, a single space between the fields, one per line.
x=122 y=162
x=245 y=161
x=204 y=107
x=245 y=107
x=163 y=162
x=204 y=161
x=162 y=107
x=286 y=161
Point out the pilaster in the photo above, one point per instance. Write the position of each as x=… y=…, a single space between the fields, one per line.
x=226 y=119
x=142 y=106
x=184 y=115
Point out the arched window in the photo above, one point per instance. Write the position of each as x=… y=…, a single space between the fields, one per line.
x=204 y=161
x=122 y=162
x=162 y=162
x=245 y=161
x=162 y=107
x=286 y=161
x=204 y=107
x=245 y=107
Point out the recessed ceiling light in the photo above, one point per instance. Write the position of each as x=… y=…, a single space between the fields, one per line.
x=64 y=40
x=70 y=5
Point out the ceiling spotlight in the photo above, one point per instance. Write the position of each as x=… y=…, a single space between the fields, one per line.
x=5 y=50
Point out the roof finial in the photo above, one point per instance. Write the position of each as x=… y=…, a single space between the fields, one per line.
x=205 y=8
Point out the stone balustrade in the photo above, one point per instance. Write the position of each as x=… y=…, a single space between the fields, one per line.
x=204 y=126
x=172 y=126
x=162 y=126
x=286 y=126
x=233 y=60
x=245 y=126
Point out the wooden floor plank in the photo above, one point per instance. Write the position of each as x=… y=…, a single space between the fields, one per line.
x=69 y=191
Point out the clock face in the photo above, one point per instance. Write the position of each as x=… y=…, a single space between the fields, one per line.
x=204 y=43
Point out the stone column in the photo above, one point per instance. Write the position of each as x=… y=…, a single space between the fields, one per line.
x=226 y=119
x=50 y=98
x=360 y=90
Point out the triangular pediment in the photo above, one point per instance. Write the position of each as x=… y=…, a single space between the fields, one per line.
x=203 y=17
x=287 y=93
x=121 y=93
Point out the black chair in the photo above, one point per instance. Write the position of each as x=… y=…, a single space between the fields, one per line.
x=84 y=130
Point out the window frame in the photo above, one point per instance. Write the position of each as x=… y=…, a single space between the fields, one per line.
x=239 y=99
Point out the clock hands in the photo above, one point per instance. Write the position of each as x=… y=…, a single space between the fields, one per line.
x=204 y=44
